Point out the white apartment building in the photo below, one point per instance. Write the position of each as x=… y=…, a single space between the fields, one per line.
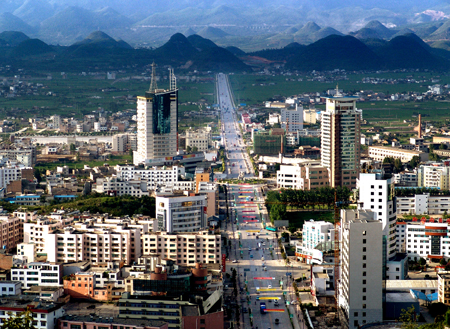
x=181 y=213
x=117 y=187
x=292 y=118
x=314 y=233
x=10 y=288
x=376 y=194
x=302 y=177
x=434 y=175
x=56 y=119
x=26 y=156
x=427 y=240
x=310 y=116
x=155 y=175
x=378 y=153
x=9 y=172
x=119 y=143
x=406 y=178
x=95 y=244
x=184 y=248
x=38 y=274
x=201 y=139
x=423 y=204
x=361 y=277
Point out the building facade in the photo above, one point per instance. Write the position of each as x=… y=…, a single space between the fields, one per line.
x=361 y=287
x=41 y=274
x=184 y=248
x=181 y=213
x=292 y=119
x=302 y=177
x=157 y=125
x=423 y=204
x=378 y=153
x=341 y=140
x=436 y=175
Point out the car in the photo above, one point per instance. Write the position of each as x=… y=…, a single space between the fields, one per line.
x=270 y=300
x=256 y=248
x=91 y=307
x=277 y=321
x=251 y=256
x=254 y=233
x=265 y=268
x=249 y=249
x=270 y=286
x=248 y=234
x=244 y=310
x=276 y=303
x=257 y=297
x=234 y=261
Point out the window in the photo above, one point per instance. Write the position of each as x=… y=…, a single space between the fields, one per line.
x=202 y=321
x=355 y=314
x=364 y=240
x=364 y=314
x=364 y=257
x=364 y=249
x=364 y=281
x=364 y=297
x=364 y=274
x=364 y=265
x=364 y=305
x=364 y=232
x=364 y=289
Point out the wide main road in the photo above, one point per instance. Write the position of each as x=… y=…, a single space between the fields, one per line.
x=238 y=160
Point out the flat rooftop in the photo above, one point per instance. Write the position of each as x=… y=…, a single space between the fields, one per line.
x=113 y=320
x=411 y=284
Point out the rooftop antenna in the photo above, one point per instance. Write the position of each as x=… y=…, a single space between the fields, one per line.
x=153 y=85
x=173 y=80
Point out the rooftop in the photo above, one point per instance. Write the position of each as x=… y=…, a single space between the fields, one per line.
x=99 y=319
x=411 y=284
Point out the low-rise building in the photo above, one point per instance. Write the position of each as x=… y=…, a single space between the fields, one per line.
x=302 y=177
x=406 y=178
x=90 y=322
x=378 y=153
x=42 y=274
x=423 y=204
x=436 y=175
x=200 y=139
x=444 y=288
x=10 y=288
x=427 y=240
x=184 y=248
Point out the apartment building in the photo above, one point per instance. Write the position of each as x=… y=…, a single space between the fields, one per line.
x=423 y=204
x=378 y=153
x=119 y=143
x=41 y=274
x=89 y=321
x=436 y=175
x=95 y=244
x=201 y=139
x=11 y=232
x=427 y=240
x=181 y=213
x=376 y=193
x=44 y=313
x=302 y=177
x=212 y=197
x=154 y=174
x=184 y=248
x=444 y=288
x=26 y=156
x=292 y=119
x=341 y=140
x=361 y=277
x=406 y=178
x=309 y=116
x=117 y=187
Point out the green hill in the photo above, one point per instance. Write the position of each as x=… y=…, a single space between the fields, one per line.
x=32 y=47
x=210 y=32
x=13 y=38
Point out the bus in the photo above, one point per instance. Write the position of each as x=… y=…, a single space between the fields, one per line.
x=262 y=307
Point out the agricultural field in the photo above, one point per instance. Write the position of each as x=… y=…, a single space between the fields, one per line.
x=256 y=89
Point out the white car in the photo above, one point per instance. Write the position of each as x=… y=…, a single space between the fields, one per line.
x=270 y=286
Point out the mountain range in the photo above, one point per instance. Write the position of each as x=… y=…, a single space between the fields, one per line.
x=194 y=52
x=251 y=24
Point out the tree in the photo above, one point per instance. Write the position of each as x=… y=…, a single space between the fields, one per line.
x=398 y=165
x=277 y=212
x=188 y=149
x=414 y=161
x=422 y=261
x=72 y=148
x=408 y=318
x=37 y=175
x=22 y=320
x=443 y=262
x=195 y=149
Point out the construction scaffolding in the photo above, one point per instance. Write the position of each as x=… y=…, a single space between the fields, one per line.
x=267 y=143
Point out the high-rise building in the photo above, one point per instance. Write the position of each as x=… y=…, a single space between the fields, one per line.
x=376 y=193
x=157 y=122
x=341 y=139
x=292 y=119
x=361 y=278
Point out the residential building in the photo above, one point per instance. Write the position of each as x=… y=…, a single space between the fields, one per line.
x=212 y=197
x=94 y=243
x=84 y=286
x=376 y=193
x=436 y=175
x=272 y=142
x=406 y=178
x=91 y=322
x=341 y=139
x=302 y=177
x=378 y=153
x=27 y=156
x=309 y=116
x=444 y=288
x=117 y=187
x=157 y=124
x=361 y=277
x=181 y=213
x=10 y=288
x=423 y=204
x=42 y=274
x=292 y=119
x=314 y=233
x=184 y=248
x=200 y=139
x=44 y=313
x=119 y=143
x=11 y=232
